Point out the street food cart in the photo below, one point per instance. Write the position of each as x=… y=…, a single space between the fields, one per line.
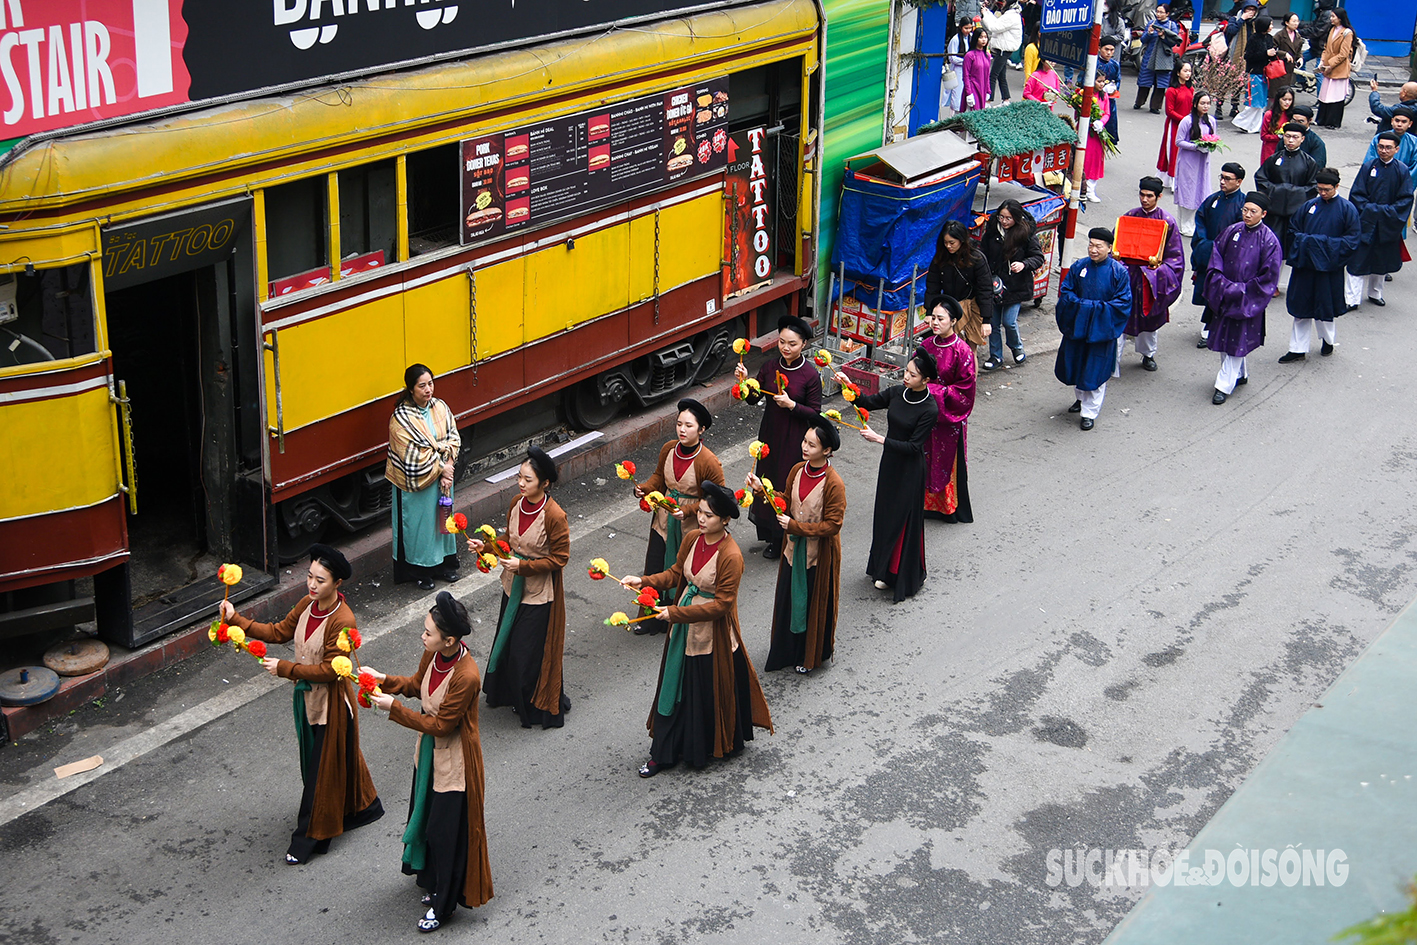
x=1020 y=144
x=893 y=200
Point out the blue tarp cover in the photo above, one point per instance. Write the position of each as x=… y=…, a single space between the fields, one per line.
x=883 y=230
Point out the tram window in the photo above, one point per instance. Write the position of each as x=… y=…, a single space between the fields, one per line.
x=748 y=99
x=432 y=199
x=368 y=211
x=296 y=228
x=52 y=317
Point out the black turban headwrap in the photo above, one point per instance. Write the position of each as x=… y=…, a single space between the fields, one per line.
x=699 y=411
x=334 y=562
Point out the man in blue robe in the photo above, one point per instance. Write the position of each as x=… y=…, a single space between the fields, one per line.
x=1094 y=303
x=1323 y=236
x=1243 y=274
x=1407 y=143
x=1382 y=194
x=1219 y=210
x=1156 y=285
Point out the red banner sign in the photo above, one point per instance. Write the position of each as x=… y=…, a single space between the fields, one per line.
x=1024 y=166
x=66 y=62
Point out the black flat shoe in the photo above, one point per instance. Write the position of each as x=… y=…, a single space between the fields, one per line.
x=1219 y=397
x=1076 y=407
x=771 y=551
x=1352 y=308
x=1242 y=381
x=1291 y=357
x=1148 y=364
x=1377 y=302
x=801 y=670
x=449 y=575
x=424 y=584
x=1086 y=423
x=1202 y=343
x=650 y=768
x=1326 y=350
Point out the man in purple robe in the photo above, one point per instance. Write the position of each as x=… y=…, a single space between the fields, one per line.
x=1243 y=274
x=1157 y=285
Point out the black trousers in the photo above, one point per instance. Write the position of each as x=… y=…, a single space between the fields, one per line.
x=999 y=74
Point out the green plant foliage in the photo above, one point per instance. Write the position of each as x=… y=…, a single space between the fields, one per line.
x=1391 y=928
x=1009 y=130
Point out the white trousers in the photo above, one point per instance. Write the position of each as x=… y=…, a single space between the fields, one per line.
x=1302 y=332
x=1353 y=287
x=1231 y=370
x=1144 y=343
x=1091 y=400
x=1187 y=219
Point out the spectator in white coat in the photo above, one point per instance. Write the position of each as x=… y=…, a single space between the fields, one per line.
x=1005 y=30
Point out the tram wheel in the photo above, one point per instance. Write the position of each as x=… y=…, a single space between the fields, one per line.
x=586 y=410
x=300 y=523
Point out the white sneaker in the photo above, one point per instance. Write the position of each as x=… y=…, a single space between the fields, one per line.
x=1094 y=196
x=882 y=585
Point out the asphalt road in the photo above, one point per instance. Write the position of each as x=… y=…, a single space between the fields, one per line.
x=1136 y=617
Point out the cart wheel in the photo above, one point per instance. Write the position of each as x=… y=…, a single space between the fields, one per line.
x=1038 y=301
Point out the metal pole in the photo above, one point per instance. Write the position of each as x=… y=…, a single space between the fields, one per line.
x=1069 y=228
x=831 y=291
x=880 y=298
x=910 y=311
x=841 y=284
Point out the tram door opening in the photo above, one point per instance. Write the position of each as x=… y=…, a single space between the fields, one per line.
x=171 y=347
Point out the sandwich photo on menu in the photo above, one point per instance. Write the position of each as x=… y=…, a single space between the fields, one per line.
x=598 y=127
x=517 y=179
x=518 y=211
x=518 y=147
x=599 y=157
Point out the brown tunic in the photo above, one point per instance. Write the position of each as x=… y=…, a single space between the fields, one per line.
x=721 y=614
x=819 y=519
x=338 y=792
x=706 y=468
x=547 y=545
x=453 y=712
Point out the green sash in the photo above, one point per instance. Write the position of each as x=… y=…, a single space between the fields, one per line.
x=504 y=629
x=304 y=734
x=799 y=584
x=673 y=532
x=673 y=679
x=415 y=835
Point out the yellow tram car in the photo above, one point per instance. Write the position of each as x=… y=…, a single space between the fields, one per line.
x=205 y=314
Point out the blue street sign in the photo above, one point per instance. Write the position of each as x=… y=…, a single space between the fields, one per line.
x=1067 y=49
x=1061 y=15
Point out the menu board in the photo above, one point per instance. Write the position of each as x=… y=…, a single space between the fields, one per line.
x=563 y=167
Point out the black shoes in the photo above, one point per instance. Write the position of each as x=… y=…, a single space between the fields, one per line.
x=1076 y=407
x=1378 y=302
x=1086 y=423
x=771 y=551
x=1242 y=381
x=425 y=584
x=1291 y=357
x=1201 y=343
x=1326 y=350
x=1352 y=308
x=1218 y=398
x=650 y=768
x=1148 y=363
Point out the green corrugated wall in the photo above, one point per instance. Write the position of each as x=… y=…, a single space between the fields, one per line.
x=854 y=104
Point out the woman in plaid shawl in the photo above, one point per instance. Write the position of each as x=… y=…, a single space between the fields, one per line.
x=423 y=447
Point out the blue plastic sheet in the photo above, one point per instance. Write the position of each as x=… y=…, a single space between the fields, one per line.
x=883 y=230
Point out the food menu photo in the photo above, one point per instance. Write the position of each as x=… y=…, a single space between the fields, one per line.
x=482 y=186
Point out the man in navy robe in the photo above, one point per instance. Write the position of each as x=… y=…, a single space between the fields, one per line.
x=1156 y=285
x=1094 y=303
x=1243 y=274
x=1312 y=145
x=1287 y=179
x=1382 y=194
x=1219 y=210
x=1323 y=236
